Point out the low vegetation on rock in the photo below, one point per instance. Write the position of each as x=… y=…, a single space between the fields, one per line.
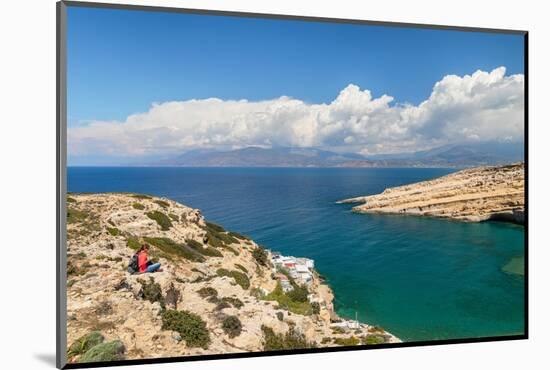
x=232 y=326
x=151 y=291
x=84 y=343
x=170 y=248
x=189 y=325
x=138 y=206
x=142 y=196
x=350 y=341
x=374 y=339
x=161 y=219
x=260 y=255
x=113 y=231
x=292 y=339
x=207 y=292
x=133 y=243
x=294 y=303
x=162 y=203
x=108 y=351
x=239 y=277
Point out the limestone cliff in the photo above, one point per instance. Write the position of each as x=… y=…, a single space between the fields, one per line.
x=475 y=194
x=216 y=294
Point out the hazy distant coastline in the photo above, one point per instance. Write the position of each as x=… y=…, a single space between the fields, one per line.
x=451 y=156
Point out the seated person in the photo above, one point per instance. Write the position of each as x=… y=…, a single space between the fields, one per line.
x=143 y=263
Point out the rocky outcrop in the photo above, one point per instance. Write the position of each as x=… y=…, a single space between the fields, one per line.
x=475 y=194
x=209 y=274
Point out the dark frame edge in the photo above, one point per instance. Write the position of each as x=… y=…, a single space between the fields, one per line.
x=526 y=183
x=227 y=13
x=161 y=360
x=61 y=146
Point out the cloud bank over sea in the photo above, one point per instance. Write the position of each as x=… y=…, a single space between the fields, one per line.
x=483 y=106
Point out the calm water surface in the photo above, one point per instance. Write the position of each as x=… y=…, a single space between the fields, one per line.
x=419 y=278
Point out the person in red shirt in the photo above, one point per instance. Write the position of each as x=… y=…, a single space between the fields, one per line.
x=144 y=264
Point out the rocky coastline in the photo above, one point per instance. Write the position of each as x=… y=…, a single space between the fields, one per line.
x=478 y=194
x=217 y=293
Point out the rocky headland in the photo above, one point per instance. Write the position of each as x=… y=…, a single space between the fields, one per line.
x=474 y=194
x=218 y=291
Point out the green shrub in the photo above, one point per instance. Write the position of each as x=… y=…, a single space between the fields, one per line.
x=260 y=255
x=151 y=291
x=215 y=231
x=205 y=251
x=174 y=217
x=235 y=302
x=207 y=292
x=133 y=243
x=71 y=200
x=326 y=340
x=299 y=293
x=232 y=326
x=162 y=203
x=241 y=267
x=238 y=236
x=142 y=196
x=193 y=243
x=227 y=239
x=138 y=206
x=286 y=302
x=351 y=341
x=110 y=351
x=113 y=231
x=170 y=247
x=240 y=278
x=374 y=339
x=216 y=242
x=190 y=326
x=76 y=216
x=161 y=219
x=221 y=305
x=84 y=343
x=291 y=340
x=376 y=329
x=214 y=227
x=338 y=330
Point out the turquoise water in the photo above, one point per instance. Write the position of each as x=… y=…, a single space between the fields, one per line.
x=420 y=278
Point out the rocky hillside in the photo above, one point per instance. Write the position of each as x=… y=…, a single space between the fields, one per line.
x=476 y=194
x=217 y=292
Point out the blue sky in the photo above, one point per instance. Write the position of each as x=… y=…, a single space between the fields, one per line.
x=122 y=61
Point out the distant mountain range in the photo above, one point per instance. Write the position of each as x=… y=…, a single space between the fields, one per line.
x=463 y=155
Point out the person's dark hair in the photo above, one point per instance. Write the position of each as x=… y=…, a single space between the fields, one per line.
x=143 y=247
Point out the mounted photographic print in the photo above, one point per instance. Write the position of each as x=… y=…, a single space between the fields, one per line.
x=235 y=184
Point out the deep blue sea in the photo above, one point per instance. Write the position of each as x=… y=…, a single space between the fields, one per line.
x=419 y=278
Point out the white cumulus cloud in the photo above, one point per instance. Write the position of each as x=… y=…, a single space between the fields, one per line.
x=482 y=106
